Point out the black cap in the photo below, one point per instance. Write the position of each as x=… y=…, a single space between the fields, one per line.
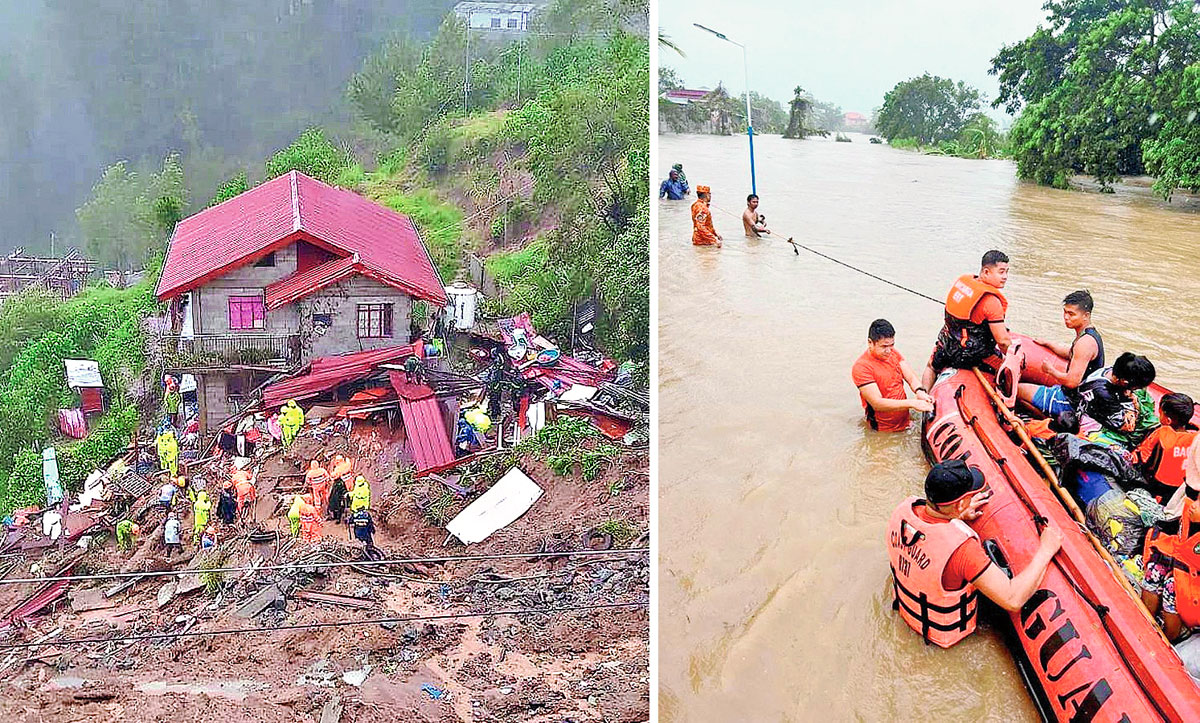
x=949 y=481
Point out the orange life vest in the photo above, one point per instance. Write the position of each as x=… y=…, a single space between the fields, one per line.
x=966 y=294
x=967 y=342
x=1185 y=550
x=919 y=552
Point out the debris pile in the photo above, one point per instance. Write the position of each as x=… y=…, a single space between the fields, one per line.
x=431 y=532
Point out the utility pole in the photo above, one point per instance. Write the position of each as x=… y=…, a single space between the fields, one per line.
x=467 y=66
x=519 y=44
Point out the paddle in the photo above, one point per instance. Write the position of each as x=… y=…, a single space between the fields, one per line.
x=1066 y=498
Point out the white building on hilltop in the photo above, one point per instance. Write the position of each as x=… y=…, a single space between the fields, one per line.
x=496 y=16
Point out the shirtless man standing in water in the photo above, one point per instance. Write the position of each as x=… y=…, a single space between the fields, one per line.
x=754 y=224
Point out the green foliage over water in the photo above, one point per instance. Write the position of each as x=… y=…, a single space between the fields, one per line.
x=928 y=108
x=1106 y=89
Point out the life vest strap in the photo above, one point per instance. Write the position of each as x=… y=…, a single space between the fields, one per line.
x=964 y=610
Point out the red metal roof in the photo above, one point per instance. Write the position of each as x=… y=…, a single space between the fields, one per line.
x=428 y=438
x=327 y=372
x=303 y=283
x=287 y=209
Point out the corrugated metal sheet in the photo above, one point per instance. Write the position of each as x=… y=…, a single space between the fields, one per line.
x=327 y=372
x=293 y=207
x=428 y=439
x=303 y=283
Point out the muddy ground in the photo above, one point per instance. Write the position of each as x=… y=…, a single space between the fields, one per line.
x=587 y=665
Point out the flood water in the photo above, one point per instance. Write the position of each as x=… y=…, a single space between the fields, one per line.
x=775 y=599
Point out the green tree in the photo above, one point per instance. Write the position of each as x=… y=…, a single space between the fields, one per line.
x=801 y=109
x=928 y=108
x=130 y=215
x=1102 y=89
x=312 y=154
x=233 y=187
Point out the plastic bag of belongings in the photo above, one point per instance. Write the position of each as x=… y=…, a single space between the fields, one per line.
x=1117 y=522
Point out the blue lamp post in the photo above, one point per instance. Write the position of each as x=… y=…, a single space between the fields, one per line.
x=749 y=118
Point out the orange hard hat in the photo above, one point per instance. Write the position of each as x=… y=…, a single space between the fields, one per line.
x=210 y=530
x=136 y=529
x=181 y=481
x=313 y=464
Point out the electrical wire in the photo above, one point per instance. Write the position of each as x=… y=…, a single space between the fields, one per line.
x=319 y=626
x=322 y=565
x=849 y=266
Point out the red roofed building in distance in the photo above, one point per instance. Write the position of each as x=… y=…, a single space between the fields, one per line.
x=287 y=271
x=855 y=121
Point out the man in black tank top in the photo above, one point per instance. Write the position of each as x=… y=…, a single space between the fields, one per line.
x=1085 y=355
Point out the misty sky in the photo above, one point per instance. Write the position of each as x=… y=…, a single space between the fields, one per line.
x=846 y=53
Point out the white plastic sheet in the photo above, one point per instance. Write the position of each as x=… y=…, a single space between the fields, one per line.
x=497 y=508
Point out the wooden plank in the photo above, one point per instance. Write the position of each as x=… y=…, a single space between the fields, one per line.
x=335 y=599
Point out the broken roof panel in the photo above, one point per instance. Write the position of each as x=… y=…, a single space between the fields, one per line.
x=289 y=208
x=428 y=437
x=327 y=372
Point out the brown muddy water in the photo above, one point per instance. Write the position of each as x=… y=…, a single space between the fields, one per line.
x=774 y=593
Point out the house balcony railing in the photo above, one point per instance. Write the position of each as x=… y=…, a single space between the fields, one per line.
x=216 y=350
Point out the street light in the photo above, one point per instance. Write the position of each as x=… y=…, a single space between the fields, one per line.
x=749 y=119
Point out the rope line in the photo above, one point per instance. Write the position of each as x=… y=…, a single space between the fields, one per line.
x=319 y=626
x=323 y=565
x=849 y=266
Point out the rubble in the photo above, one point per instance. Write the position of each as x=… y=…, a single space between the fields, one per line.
x=514 y=666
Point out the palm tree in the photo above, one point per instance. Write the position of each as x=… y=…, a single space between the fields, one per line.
x=664 y=41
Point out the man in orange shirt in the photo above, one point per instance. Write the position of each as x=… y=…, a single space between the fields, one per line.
x=974 y=329
x=703 y=233
x=880 y=375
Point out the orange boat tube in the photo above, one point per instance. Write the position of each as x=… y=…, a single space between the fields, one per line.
x=1092 y=652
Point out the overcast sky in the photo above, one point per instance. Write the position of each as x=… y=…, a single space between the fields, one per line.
x=847 y=53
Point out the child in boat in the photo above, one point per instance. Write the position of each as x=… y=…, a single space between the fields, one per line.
x=1161 y=455
x=1113 y=400
x=1065 y=422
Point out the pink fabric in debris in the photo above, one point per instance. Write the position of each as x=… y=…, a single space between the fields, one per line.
x=72 y=423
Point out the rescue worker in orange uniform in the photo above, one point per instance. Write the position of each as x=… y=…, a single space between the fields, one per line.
x=318 y=480
x=703 y=233
x=939 y=565
x=243 y=487
x=974 y=329
x=310 y=520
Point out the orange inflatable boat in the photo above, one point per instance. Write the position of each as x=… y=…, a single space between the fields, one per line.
x=1087 y=649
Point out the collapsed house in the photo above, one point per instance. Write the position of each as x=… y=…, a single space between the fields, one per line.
x=284 y=273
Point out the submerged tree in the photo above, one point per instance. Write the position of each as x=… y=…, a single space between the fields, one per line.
x=802 y=107
x=1106 y=89
x=929 y=109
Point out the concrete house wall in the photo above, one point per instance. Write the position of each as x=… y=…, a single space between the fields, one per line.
x=340 y=301
x=212 y=300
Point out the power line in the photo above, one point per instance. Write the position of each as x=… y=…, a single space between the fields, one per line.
x=318 y=626
x=322 y=565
